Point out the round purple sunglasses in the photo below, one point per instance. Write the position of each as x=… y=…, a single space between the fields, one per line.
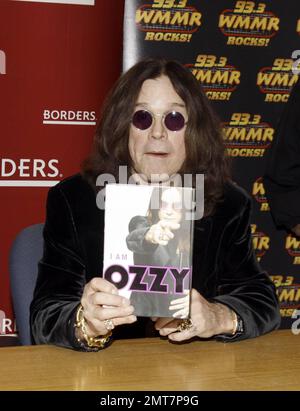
x=143 y=119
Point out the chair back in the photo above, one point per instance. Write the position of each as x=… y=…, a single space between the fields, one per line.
x=26 y=251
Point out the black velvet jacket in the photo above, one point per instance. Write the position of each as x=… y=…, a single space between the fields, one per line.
x=224 y=265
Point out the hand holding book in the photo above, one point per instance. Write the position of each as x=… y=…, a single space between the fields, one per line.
x=181 y=305
x=208 y=319
x=101 y=302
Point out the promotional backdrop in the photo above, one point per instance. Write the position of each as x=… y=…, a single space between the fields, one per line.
x=58 y=59
x=243 y=53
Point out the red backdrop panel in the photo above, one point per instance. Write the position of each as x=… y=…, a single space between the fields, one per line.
x=57 y=62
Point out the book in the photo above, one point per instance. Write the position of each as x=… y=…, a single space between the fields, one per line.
x=148 y=247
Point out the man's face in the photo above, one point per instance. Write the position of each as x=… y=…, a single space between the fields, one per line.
x=157 y=150
x=171 y=206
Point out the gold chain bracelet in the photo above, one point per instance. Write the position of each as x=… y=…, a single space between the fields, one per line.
x=100 y=341
x=235 y=322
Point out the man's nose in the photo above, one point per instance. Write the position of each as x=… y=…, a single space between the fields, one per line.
x=158 y=130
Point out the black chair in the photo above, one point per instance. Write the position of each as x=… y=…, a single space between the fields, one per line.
x=26 y=251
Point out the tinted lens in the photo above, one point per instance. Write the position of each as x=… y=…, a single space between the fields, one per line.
x=142 y=119
x=174 y=121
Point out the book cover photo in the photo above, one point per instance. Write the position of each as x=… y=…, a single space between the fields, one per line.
x=148 y=245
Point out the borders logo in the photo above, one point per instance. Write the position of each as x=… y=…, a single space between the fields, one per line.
x=245 y=135
x=248 y=24
x=26 y=172
x=69 y=117
x=218 y=78
x=168 y=20
x=7 y=326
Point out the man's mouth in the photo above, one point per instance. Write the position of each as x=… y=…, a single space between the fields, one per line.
x=157 y=153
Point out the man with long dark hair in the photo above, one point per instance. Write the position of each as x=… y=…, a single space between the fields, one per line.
x=157 y=122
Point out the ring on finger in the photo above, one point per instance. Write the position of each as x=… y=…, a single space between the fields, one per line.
x=109 y=325
x=185 y=325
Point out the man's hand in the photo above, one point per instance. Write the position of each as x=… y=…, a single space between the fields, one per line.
x=100 y=301
x=208 y=319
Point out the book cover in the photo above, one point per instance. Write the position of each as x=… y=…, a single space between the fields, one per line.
x=148 y=245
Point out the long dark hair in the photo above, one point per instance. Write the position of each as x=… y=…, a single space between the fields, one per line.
x=205 y=151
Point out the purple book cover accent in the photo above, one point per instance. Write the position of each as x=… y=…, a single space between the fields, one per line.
x=148 y=247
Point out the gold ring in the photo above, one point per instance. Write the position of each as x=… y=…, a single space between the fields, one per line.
x=109 y=325
x=185 y=325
